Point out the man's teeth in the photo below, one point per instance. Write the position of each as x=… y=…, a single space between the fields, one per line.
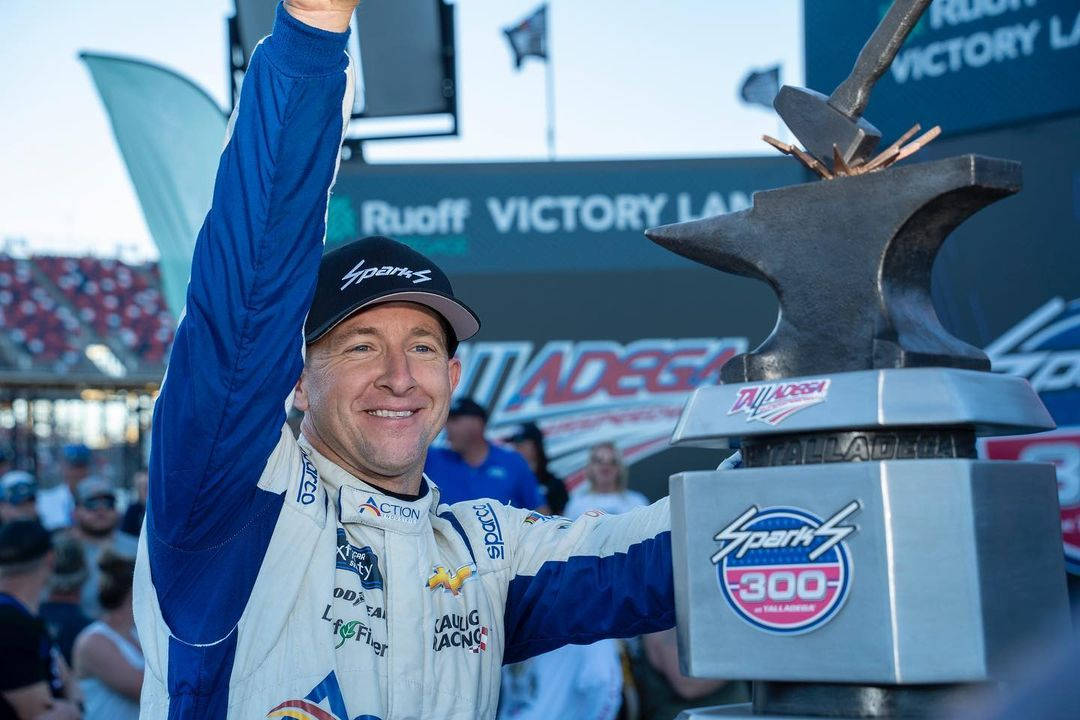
x=392 y=413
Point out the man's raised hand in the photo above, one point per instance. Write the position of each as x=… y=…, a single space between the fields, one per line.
x=332 y=15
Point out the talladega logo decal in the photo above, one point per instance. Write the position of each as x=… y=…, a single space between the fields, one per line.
x=583 y=393
x=785 y=570
x=1044 y=347
x=772 y=402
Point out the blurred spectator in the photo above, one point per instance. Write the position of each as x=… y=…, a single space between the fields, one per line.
x=529 y=442
x=133 y=516
x=607 y=477
x=62 y=610
x=57 y=504
x=664 y=691
x=34 y=679
x=18 y=495
x=96 y=520
x=108 y=658
x=579 y=681
x=7 y=458
x=474 y=468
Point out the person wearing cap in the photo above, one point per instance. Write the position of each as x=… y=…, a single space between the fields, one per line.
x=322 y=576
x=34 y=679
x=472 y=467
x=529 y=442
x=56 y=505
x=96 y=521
x=18 y=496
x=62 y=608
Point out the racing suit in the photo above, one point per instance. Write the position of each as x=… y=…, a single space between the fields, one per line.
x=270 y=582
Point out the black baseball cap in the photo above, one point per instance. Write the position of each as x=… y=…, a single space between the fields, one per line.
x=22 y=541
x=528 y=431
x=467 y=406
x=376 y=270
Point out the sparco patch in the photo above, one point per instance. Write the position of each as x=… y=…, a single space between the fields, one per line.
x=771 y=403
x=785 y=570
x=489 y=523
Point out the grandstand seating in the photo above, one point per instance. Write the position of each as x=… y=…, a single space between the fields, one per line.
x=52 y=314
x=33 y=320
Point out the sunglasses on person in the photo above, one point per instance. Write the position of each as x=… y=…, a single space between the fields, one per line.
x=19 y=496
x=100 y=502
x=604 y=461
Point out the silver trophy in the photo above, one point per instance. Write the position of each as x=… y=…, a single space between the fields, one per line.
x=862 y=562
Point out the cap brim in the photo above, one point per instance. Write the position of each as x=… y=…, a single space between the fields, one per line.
x=463 y=321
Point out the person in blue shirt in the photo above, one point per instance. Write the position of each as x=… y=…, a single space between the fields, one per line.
x=473 y=468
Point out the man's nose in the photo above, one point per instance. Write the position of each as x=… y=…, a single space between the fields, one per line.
x=397 y=377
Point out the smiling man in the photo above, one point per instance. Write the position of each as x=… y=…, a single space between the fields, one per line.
x=322 y=577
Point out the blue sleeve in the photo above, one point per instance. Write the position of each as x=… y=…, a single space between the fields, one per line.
x=601 y=576
x=238 y=349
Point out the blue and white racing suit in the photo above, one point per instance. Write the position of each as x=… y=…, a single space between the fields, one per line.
x=270 y=582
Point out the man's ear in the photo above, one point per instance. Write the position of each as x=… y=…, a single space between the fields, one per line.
x=300 y=400
x=454 y=367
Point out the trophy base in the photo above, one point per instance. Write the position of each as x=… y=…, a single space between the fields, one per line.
x=835 y=700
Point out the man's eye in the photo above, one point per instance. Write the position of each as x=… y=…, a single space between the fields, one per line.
x=424 y=348
x=362 y=347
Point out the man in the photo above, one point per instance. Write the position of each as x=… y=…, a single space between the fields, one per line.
x=57 y=504
x=62 y=609
x=34 y=680
x=96 y=521
x=18 y=494
x=323 y=576
x=474 y=468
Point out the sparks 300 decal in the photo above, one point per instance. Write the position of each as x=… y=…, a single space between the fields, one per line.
x=783 y=569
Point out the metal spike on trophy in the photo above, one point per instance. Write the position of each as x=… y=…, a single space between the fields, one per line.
x=862 y=562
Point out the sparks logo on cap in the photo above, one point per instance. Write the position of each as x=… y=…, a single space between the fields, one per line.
x=359 y=274
x=773 y=402
x=785 y=570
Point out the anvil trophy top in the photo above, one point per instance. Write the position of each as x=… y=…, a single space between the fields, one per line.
x=850 y=261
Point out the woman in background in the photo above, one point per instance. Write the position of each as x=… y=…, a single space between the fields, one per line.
x=607 y=477
x=108 y=659
x=584 y=682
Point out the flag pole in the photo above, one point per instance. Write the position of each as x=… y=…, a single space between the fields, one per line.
x=550 y=79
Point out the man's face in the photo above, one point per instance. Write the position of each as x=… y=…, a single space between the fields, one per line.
x=464 y=431
x=376 y=389
x=73 y=472
x=97 y=516
x=26 y=510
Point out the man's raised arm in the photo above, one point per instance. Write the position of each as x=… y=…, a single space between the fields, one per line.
x=238 y=349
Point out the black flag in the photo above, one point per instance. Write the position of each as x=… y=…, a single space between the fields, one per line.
x=529 y=37
x=760 y=86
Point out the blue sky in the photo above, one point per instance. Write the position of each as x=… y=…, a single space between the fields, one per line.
x=633 y=78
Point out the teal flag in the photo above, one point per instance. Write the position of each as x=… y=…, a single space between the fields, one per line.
x=170 y=134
